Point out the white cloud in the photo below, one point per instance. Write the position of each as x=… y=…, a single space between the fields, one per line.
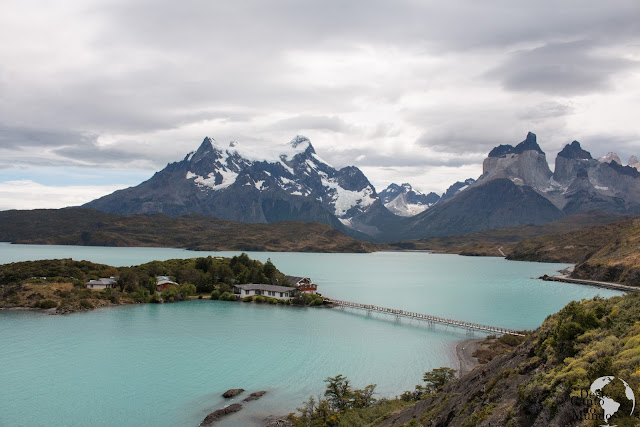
x=25 y=194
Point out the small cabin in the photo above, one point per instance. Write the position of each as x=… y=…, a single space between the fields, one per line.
x=303 y=284
x=103 y=283
x=269 y=291
x=162 y=282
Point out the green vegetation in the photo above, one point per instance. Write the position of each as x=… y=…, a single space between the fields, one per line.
x=345 y=406
x=61 y=283
x=541 y=379
x=544 y=380
x=340 y=399
x=87 y=227
x=308 y=299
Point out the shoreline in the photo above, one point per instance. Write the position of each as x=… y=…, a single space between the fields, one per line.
x=593 y=283
x=464 y=353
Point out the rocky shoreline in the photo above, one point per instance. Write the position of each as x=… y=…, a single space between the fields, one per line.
x=464 y=352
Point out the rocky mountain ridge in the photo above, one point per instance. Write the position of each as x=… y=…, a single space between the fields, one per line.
x=290 y=182
x=285 y=182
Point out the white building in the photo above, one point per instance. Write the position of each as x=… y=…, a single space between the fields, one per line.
x=269 y=291
x=103 y=283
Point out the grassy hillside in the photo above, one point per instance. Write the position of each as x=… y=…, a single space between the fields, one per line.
x=93 y=228
x=544 y=381
x=609 y=253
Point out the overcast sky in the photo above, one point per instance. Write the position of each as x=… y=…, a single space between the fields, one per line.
x=97 y=95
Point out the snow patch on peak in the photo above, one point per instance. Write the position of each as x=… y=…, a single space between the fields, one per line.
x=261 y=151
x=299 y=139
x=215 y=181
x=344 y=200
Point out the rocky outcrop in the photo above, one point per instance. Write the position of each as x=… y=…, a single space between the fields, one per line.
x=524 y=164
x=216 y=416
x=456 y=188
x=232 y=392
x=254 y=396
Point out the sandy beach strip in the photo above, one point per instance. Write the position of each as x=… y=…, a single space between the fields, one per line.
x=464 y=351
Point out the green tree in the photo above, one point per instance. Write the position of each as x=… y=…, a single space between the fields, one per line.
x=437 y=378
x=269 y=270
x=338 y=392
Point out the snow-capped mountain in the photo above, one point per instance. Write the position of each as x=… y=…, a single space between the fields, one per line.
x=280 y=182
x=403 y=200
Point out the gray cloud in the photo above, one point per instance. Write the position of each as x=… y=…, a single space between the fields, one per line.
x=165 y=74
x=571 y=68
x=366 y=157
x=312 y=122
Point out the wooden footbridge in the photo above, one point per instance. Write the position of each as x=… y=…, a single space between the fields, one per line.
x=431 y=320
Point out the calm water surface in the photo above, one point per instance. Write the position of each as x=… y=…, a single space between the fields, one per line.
x=166 y=365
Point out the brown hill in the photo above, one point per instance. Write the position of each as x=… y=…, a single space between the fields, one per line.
x=609 y=253
x=93 y=228
x=486 y=243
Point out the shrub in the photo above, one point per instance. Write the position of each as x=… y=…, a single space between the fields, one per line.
x=186 y=290
x=259 y=299
x=248 y=298
x=86 y=304
x=227 y=296
x=272 y=301
x=215 y=294
x=47 y=304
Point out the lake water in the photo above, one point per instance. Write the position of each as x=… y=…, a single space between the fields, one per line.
x=166 y=365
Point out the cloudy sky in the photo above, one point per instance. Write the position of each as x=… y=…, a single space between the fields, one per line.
x=96 y=95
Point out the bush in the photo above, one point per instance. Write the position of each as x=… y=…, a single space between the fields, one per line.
x=186 y=290
x=45 y=304
x=272 y=301
x=215 y=294
x=112 y=295
x=247 y=299
x=227 y=296
x=259 y=299
x=86 y=304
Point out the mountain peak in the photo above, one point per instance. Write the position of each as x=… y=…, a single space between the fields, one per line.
x=610 y=157
x=299 y=139
x=206 y=147
x=529 y=144
x=574 y=151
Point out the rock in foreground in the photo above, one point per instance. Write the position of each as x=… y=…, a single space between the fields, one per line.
x=255 y=396
x=215 y=416
x=232 y=392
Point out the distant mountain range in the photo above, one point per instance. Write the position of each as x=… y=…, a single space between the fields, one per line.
x=290 y=182
x=287 y=182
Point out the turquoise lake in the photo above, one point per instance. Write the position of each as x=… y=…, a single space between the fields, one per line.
x=167 y=365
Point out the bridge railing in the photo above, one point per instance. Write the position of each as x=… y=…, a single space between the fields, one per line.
x=427 y=317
